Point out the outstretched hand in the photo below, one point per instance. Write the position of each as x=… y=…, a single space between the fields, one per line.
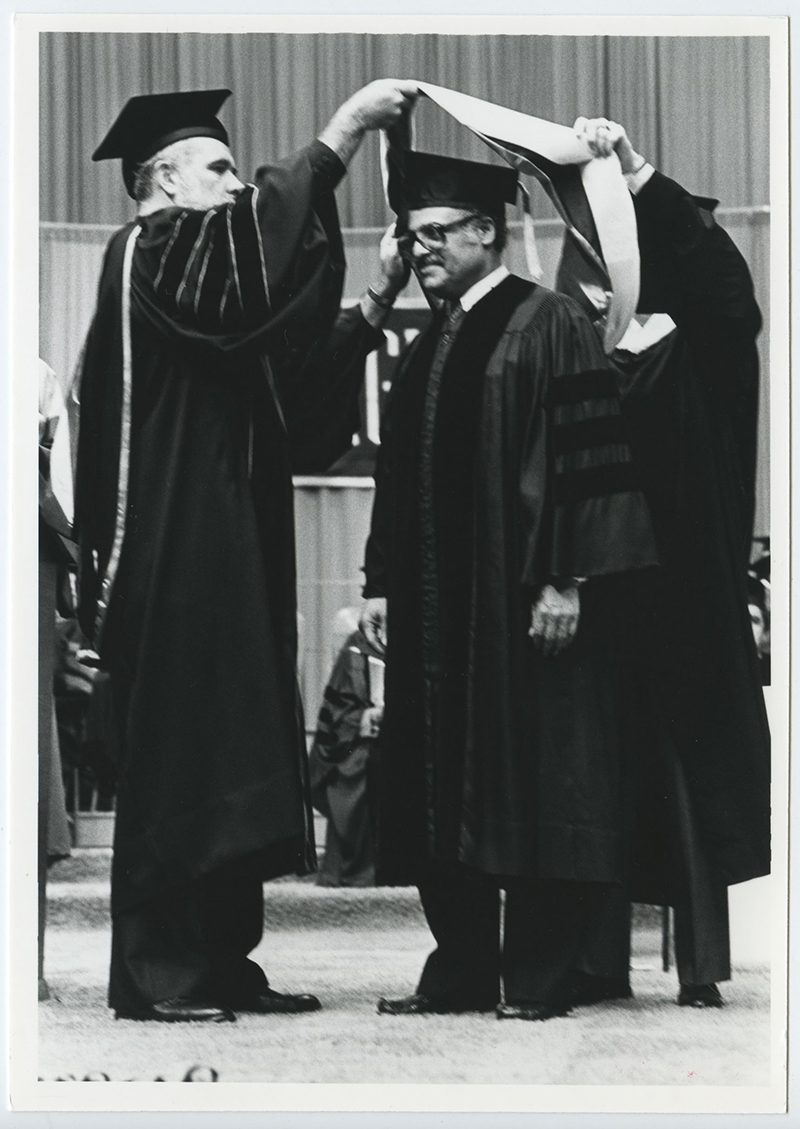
x=605 y=137
x=377 y=106
x=382 y=103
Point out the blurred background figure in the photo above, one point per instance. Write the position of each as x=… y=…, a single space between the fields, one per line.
x=55 y=552
x=758 y=602
x=342 y=758
x=85 y=720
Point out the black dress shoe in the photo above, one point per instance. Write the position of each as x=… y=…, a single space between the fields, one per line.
x=270 y=1002
x=532 y=1012
x=421 y=1005
x=700 y=996
x=588 y=989
x=179 y=1010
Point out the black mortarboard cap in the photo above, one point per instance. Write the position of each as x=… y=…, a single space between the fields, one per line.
x=151 y=122
x=427 y=180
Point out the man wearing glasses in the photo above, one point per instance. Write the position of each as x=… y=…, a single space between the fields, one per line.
x=505 y=502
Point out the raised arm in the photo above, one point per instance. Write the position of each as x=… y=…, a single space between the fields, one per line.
x=275 y=251
x=377 y=106
x=691 y=268
x=320 y=387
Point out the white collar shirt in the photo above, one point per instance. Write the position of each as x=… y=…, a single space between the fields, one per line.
x=483 y=287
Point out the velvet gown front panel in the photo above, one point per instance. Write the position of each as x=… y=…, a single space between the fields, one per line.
x=492 y=755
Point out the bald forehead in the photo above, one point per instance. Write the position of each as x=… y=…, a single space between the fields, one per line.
x=199 y=151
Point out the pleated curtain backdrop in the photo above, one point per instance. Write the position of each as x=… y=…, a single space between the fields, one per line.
x=697 y=106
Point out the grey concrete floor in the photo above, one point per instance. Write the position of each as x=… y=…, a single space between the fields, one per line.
x=349 y=947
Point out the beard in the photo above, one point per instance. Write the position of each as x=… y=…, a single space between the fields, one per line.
x=199 y=197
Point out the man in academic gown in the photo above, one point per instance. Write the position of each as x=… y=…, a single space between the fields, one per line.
x=695 y=726
x=216 y=350
x=341 y=764
x=56 y=552
x=505 y=503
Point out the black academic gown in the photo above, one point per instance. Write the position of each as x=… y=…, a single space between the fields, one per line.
x=690 y=666
x=226 y=307
x=492 y=755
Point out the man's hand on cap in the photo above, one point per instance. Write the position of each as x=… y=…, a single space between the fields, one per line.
x=394 y=268
x=605 y=137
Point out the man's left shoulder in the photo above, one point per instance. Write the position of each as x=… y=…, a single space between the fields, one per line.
x=540 y=306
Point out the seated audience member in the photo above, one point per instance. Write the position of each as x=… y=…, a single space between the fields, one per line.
x=55 y=551
x=340 y=764
x=758 y=602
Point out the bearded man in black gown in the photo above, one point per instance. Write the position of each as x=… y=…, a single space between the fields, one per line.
x=216 y=363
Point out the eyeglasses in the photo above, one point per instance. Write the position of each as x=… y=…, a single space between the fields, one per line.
x=431 y=236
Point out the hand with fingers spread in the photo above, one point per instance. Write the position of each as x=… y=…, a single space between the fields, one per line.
x=554 y=618
x=605 y=137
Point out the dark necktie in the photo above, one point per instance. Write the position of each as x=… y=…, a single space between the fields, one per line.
x=454 y=316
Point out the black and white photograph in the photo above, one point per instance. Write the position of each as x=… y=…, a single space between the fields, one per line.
x=413 y=548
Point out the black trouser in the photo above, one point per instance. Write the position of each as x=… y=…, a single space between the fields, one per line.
x=191 y=942
x=544 y=930
x=702 y=935
x=700 y=902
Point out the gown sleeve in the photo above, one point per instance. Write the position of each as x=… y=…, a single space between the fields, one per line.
x=376 y=553
x=320 y=391
x=689 y=263
x=583 y=513
x=266 y=268
x=692 y=270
